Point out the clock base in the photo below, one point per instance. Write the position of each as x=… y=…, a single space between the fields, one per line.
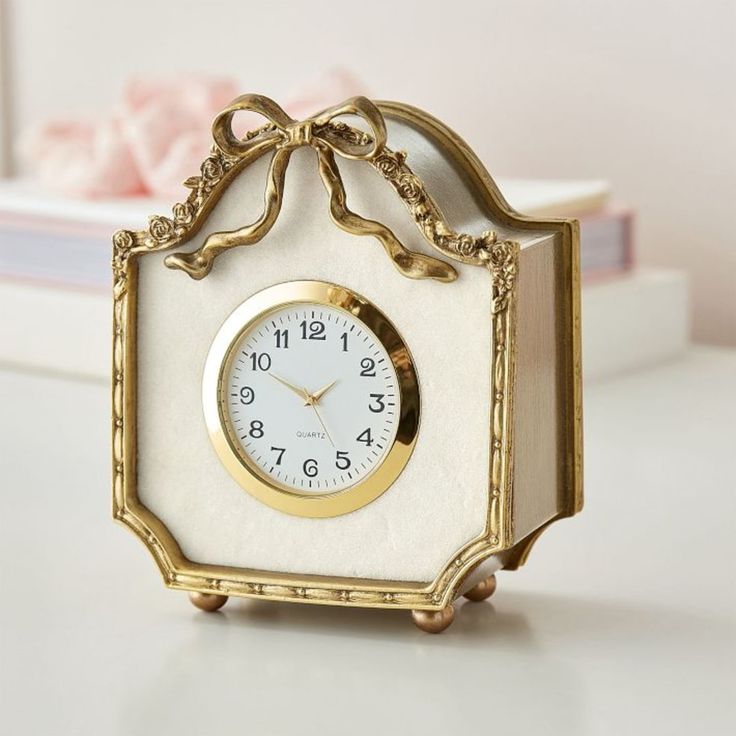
x=482 y=590
x=433 y=622
x=208 y=601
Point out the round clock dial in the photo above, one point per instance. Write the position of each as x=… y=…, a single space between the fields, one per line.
x=311 y=398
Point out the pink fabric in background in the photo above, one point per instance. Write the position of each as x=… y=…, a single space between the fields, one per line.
x=156 y=137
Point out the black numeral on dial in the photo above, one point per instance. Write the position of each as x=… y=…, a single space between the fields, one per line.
x=279 y=454
x=256 y=429
x=247 y=395
x=310 y=468
x=366 y=437
x=282 y=338
x=314 y=330
x=342 y=461
x=368 y=366
x=378 y=404
x=260 y=361
x=344 y=341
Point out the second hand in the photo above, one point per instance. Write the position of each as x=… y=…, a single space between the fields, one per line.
x=319 y=417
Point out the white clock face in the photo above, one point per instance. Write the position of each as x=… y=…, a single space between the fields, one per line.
x=311 y=398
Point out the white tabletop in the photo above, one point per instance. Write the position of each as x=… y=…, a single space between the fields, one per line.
x=623 y=621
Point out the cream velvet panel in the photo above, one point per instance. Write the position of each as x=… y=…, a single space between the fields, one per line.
x=439 y=502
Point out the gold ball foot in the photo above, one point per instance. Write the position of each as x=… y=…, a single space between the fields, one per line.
x=208 y=601
x=434 y=621
x=482 y=590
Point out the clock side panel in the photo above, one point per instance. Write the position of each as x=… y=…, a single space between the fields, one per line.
x=538 y=464
x=437 y=505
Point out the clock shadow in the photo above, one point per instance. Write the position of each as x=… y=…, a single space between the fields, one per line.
x=280 y=661
x=510 y=619
x=524 y=658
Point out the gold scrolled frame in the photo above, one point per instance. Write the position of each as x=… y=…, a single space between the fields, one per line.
x=430 y=602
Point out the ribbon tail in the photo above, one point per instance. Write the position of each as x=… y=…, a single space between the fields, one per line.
x=410 y=264
x=199 y=263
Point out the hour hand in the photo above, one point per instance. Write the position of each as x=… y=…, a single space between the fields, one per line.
x=302 y=393
x=317 y=395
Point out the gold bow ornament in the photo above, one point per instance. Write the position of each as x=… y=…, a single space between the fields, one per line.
x=329 y=137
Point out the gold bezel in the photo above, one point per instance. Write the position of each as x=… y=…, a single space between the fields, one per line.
x=497 y=537
x=247 y=474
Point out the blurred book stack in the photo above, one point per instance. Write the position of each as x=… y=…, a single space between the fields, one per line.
x=633 y=317
x=55 y=303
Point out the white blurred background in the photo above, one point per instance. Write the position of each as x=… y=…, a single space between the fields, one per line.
x=624 y=620
x=640 y=94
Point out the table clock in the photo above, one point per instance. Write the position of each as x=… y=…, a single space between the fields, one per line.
x=318 y=406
